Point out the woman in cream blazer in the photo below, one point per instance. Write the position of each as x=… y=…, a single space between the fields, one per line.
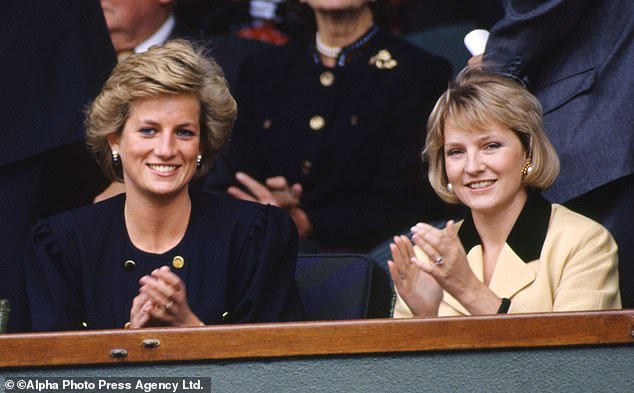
x=514 y=252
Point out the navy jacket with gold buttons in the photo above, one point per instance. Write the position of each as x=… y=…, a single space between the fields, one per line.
x=351 y=135
x=237 y=260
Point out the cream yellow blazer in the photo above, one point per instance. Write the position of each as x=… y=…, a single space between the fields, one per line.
x=566 y=262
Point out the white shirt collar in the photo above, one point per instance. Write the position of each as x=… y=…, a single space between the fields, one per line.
x=159 y=37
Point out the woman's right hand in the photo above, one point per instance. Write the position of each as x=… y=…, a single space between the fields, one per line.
x=420 y=291
x=140 y=311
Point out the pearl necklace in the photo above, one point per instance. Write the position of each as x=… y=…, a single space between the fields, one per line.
x=325 y=50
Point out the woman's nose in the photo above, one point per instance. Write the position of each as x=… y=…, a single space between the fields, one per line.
x=474 y=164
x=166 y=146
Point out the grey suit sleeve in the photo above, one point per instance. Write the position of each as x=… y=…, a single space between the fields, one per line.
x=529 y=30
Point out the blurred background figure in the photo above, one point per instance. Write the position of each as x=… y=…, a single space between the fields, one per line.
x=135 y=26
x=58 y=56
x=576 y=57
x=436 y=26
x=260 y=23
x=330 y=127
x=264 y=21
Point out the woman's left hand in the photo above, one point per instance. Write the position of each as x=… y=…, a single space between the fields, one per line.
x=162 y=300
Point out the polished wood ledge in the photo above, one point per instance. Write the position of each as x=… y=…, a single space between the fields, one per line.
x=316 y=338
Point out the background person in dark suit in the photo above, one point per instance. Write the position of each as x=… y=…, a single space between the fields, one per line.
x=576 y=56
x=56 y=55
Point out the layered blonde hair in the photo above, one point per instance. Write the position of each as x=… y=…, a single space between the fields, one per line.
x=473 y=101
x=175 y=68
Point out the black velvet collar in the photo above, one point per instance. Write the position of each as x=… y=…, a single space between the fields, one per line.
x=528 y=234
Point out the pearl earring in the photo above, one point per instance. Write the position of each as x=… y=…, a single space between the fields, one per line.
x=116 y=158
x=199 y=161
x=450 y=187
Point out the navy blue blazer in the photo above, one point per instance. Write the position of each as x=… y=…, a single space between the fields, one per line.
x=351 y=135
x=238 y=258
x=577 y=56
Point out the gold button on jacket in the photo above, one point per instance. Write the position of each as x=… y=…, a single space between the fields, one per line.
x=317 y=123
x=327 y=78
x=178 y=262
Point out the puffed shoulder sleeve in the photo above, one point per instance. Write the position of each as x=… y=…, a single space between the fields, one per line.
x=53 y=282
x=264 y=277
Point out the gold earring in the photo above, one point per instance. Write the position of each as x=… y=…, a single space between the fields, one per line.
x=527 y=167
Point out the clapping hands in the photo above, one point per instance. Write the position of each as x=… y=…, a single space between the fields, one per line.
x=162 y=301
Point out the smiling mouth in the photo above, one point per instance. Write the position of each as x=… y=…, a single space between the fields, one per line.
x=480 y=184
x=162 y=168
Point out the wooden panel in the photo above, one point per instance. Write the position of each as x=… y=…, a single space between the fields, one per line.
x=318 y=338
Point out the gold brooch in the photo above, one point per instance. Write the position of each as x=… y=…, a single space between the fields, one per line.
x=383 y=60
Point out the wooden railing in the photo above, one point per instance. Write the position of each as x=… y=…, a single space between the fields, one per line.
x=316 y=338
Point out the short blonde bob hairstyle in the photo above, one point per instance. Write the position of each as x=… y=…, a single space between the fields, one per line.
x=175 y=68
x=473 y=101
